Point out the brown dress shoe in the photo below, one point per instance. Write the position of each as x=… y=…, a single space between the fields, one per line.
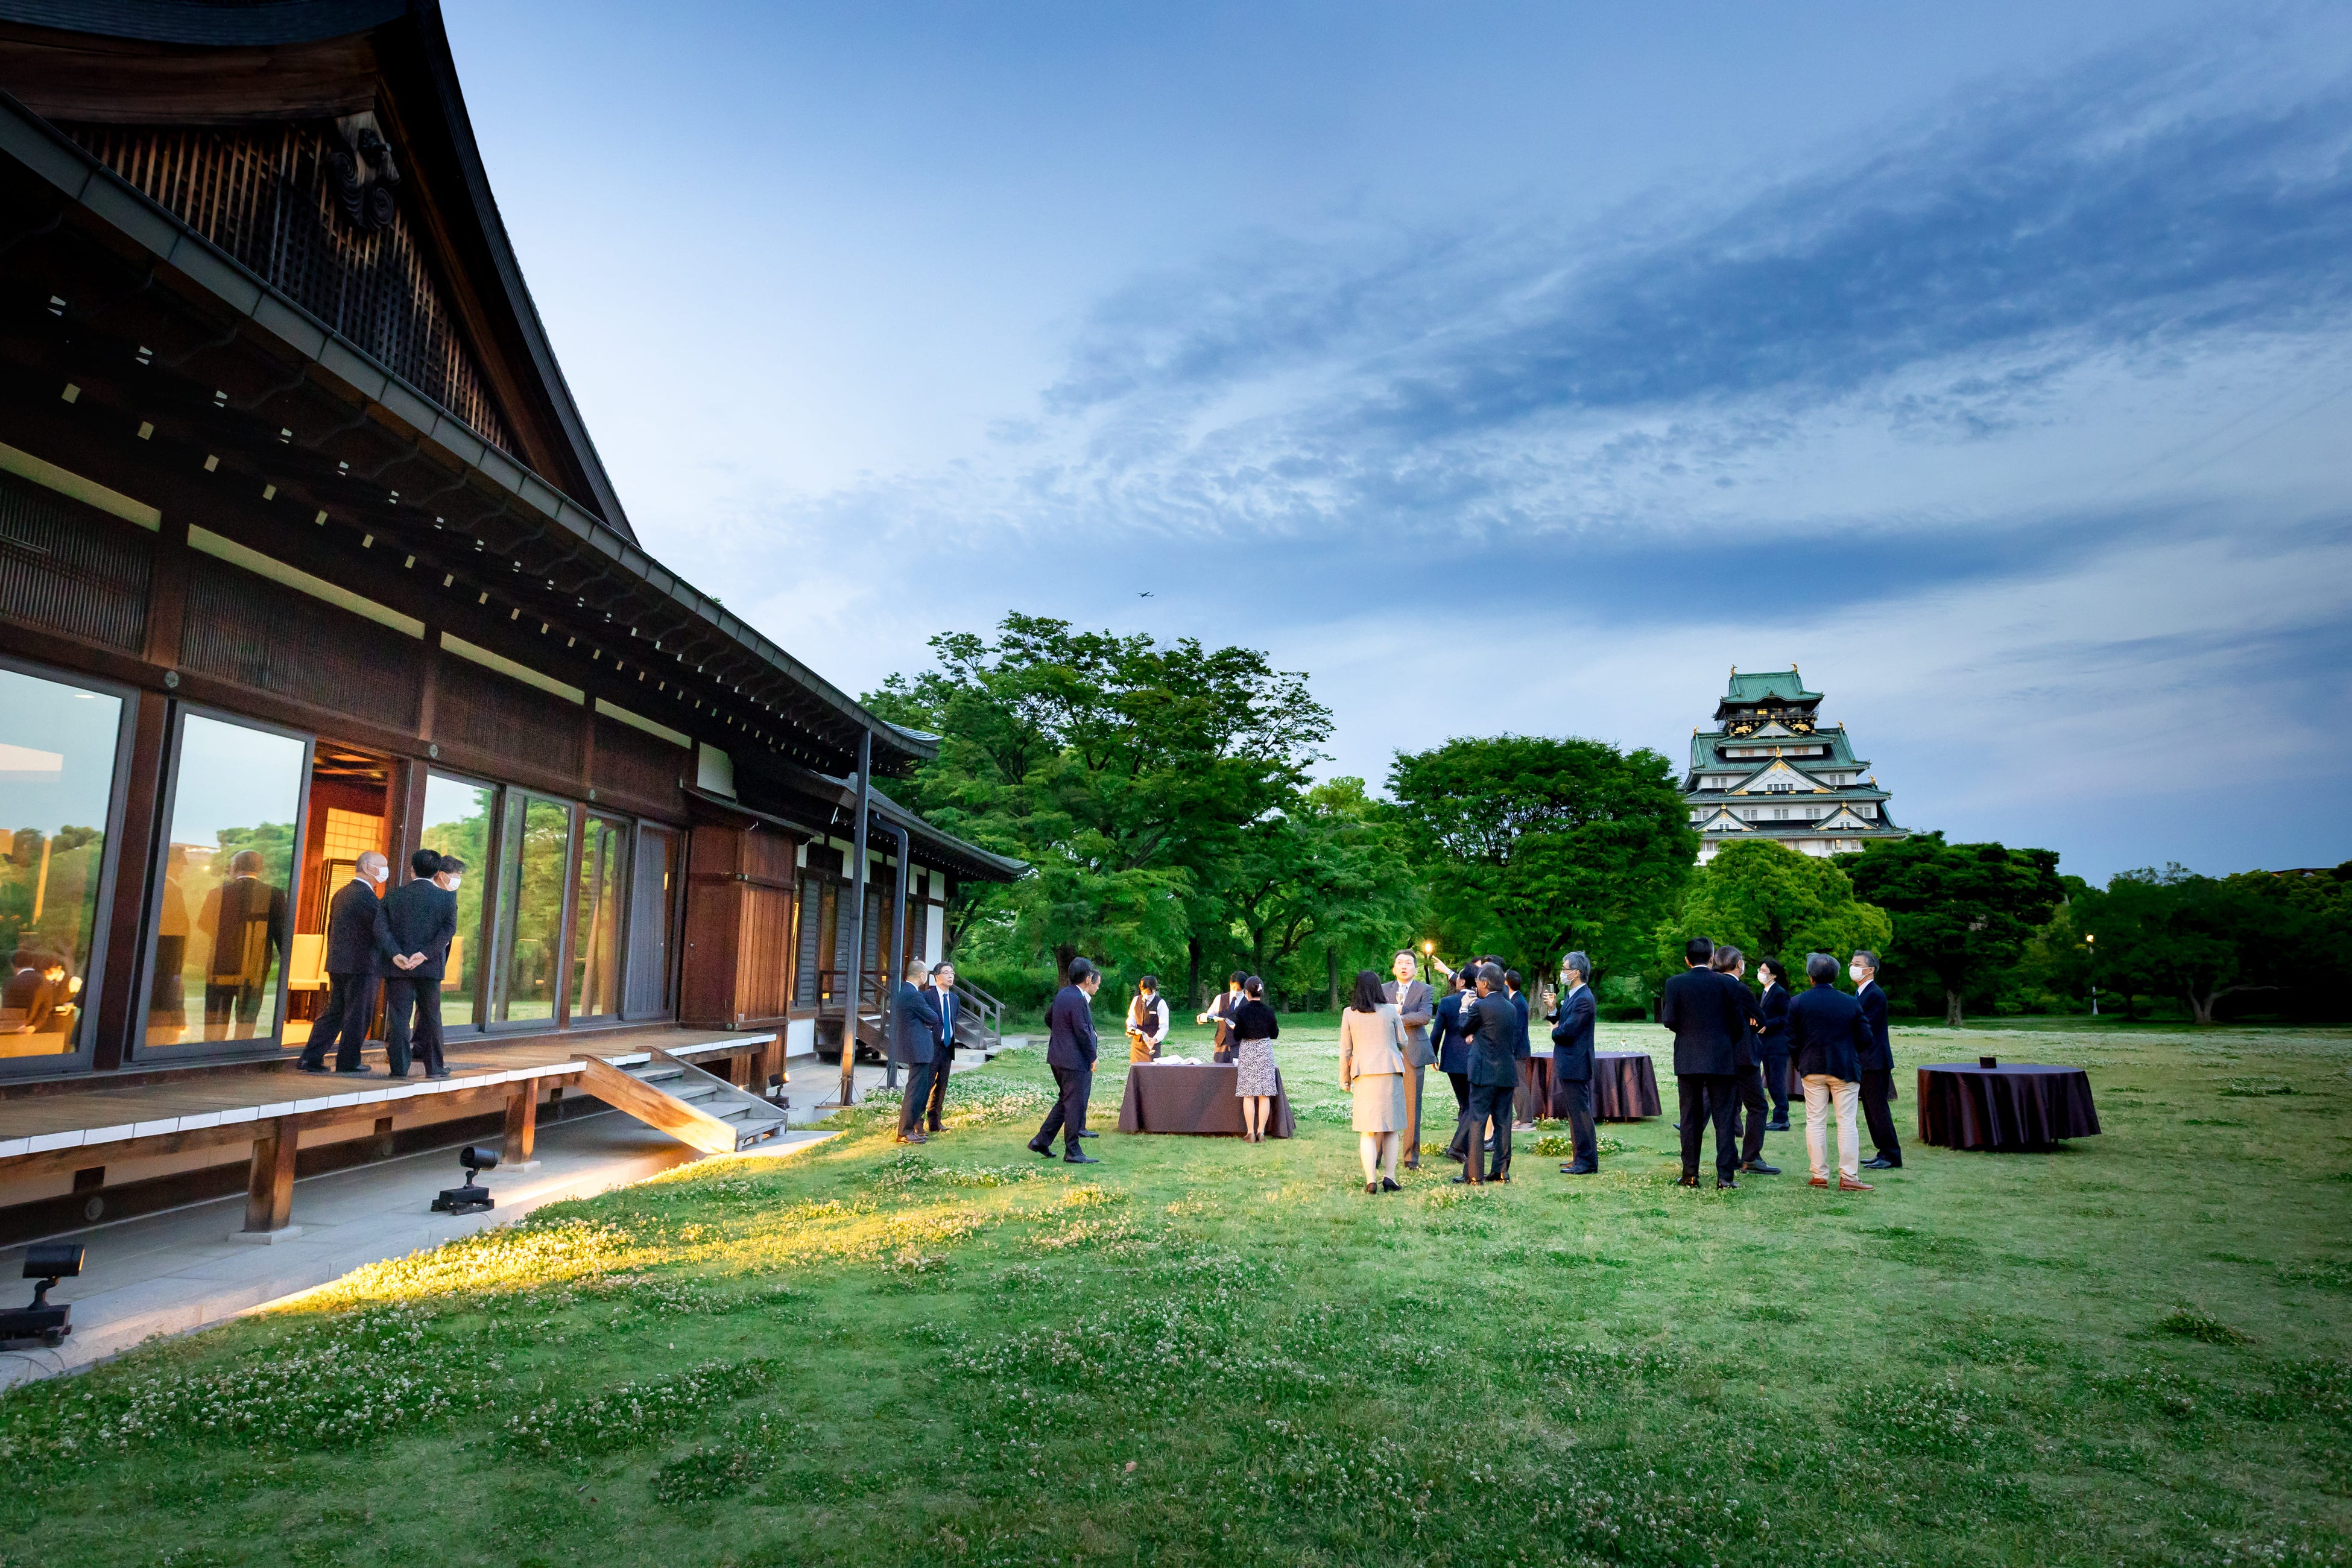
x=1818 y=1182
x=1846 y=1185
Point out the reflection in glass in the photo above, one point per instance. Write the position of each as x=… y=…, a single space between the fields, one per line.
x=457 y=822
x=596 y=924
x=56 y=782
x=220 y=924
x=535 y=857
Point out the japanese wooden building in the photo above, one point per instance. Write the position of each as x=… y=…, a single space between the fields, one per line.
x=305 y=551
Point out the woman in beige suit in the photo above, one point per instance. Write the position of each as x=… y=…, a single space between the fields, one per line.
x=1371 y=1069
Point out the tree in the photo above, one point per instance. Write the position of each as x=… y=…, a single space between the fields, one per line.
x=2203 y=938
x=1772 y=901
x=1531 y=847
x=1329 y=873
x=1125 y=771
x=1962 y=911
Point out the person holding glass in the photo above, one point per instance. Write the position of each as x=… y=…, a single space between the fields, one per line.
x=1371 y=1069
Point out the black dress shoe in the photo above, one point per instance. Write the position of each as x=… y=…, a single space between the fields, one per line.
x=1725 y=1184
x=1759 y=1167
x=1779 y=1126
x=1881 y=1162
x=1047 y=1150
x=1451 y=1155
x=1080 y=1160
x=1388 y=1184
x=1687 y=1182
x=1088 y=1133
x=1580 y=1170
x=1467 y=1180
x=304 y=1067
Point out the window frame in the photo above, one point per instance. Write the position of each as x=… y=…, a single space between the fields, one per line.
x=83 y=1057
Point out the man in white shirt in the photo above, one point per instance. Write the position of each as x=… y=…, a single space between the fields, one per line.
x=1415 y=1005
x=944 y=998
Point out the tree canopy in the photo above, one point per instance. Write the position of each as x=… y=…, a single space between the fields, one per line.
x=1772 y=901
x=1963 y=912
x=2200 y=939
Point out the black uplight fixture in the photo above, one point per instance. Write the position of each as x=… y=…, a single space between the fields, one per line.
x=48 y=1263
x=473 y=1197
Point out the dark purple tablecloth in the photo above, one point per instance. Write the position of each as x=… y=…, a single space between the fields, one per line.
x=1189 y=1097
x=2013 y=1106
x=1624 y=1086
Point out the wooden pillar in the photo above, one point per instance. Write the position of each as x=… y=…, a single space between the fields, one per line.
x=269 y=1186
x=118 y=1023
x=771 y=1064
x=522 y=1122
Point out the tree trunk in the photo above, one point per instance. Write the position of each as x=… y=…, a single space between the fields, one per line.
x=1063 y=954
x=1192 y=954
x=1332 y=953
x=1952 y=1007
x=2200 y=1007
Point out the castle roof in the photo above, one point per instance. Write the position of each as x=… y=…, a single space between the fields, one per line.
x=1767 y=686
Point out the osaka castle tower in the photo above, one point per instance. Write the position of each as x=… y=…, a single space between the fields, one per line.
x=1771 y=766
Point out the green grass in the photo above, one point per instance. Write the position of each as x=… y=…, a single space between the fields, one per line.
x=2133 y=1351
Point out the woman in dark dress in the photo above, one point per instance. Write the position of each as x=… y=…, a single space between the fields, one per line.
x=1773 y=1005
x=1255 y=1030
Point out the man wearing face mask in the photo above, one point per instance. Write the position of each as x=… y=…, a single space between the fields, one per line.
x=357 y=939
x=1877 y=1065
x=423 y=915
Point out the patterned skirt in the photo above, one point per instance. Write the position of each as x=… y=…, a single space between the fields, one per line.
x=1256 y=1075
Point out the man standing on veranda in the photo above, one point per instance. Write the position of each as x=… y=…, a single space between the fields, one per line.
x=422 y=915
x=1070 y=1054
x=1877 y=1065
x=914 y=1046
x=1572 y=1066
x=1707 y=1027
x=357 y=937
x=1415 y=1007
x=1493 y=1076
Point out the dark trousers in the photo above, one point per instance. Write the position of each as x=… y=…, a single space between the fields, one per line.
x=917 y=1096
x=231 y=1011
x=1750 y=1083
x=1572 y=1101
x=1776 y=1083
x=1460 y=1141
x=1068 y=1116
x=343 y=1022
x=1877 y=1090
x=1708 y=1097
x=936 y=1100
x=1413 y=1085
x=1490 y=1103
x=400 y=995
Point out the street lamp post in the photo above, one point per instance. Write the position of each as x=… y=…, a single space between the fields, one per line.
x=2091 y=940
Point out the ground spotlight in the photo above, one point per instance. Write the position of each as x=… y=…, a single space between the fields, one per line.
x=48 y=1263
x=473 y=1197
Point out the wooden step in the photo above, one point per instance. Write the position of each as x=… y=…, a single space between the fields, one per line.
x=692 y=1106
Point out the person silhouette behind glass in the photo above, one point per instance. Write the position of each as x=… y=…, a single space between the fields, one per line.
x=245 y=917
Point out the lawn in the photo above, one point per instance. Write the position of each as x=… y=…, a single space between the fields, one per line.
x=2136 y=1350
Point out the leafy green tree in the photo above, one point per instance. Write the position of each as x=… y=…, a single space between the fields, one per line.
x=1127 y=771
x=1772 y=901
x=1330 y=875
x=1531 y=845
x=2204 y=938
x=1963 y=912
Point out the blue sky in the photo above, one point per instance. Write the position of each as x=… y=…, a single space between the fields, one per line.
x=1509 y=367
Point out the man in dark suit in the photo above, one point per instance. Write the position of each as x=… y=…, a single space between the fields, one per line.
x=357 y=938
x=422 y=915
x=1416 y=1007
x=246 y=919
x=914 y=1044
x=1877 y=1066
x=1524 y=1050
x=1828 y=1036
x=1494 y=1075
x=1696 y=1006
x=1571 y=1065
x=1453 y=1026
x=943 y=1002
x=1731 y=965
x=1070 y=1053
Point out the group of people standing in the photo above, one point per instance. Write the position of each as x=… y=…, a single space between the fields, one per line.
x=923 y=1021
x=396 y=943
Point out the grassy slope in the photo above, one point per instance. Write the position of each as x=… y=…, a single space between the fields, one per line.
x=2135 y=1350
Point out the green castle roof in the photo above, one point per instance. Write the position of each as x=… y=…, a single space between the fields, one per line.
x=1769 y=686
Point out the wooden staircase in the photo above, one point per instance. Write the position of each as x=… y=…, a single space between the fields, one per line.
x=698 y=1109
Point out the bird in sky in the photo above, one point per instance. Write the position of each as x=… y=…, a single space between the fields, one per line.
x=1143 y=593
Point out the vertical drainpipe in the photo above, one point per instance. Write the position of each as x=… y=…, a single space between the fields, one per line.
x=856 y=1001
x=890 y=974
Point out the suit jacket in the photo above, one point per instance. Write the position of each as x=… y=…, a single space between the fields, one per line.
x=1071 y=1022
x=1494 y=1037
x=1370 y=1044
x=1453 y=1027
x=421 y=917
x=1827 y=1033
x=1773 y=1008
x=1415 y=1007
x=1571 y=1038
x=1698 y=1006
x=1880 y=1056
x=1522 y=1049
x=245 y=918
x=914 y=1025
x=946 y=1005
x=357 y=934
x=1751 y=1021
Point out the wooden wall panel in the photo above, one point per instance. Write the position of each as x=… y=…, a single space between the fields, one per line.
x=260 y=634
x=644 y=767
x=505 y=718
x=70 y=568
x=738 y=965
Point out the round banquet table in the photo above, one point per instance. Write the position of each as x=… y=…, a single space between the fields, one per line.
x=2017 y=1105
x=1624 y=1086
x=1195 y=1096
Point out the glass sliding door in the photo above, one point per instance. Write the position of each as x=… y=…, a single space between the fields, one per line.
x=220 y=928
x=596 y=919
x=59 y=748
x=457 y=820
x=534 y=869
x=652 y=915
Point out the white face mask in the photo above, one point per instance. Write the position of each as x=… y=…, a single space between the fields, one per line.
x=374 y=873
x=1855 y=972
x=455 y=883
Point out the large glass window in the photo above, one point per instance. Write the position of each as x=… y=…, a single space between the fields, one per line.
x=457 y=822
x=596 y=922
x=220 y=918
x=653 y=885
x=58 y=749
x=534 y=869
